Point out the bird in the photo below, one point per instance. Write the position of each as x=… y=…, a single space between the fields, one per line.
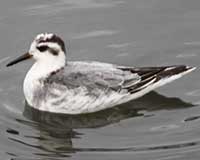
x=56 y=85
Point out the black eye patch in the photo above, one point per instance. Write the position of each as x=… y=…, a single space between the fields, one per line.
x=53 y=51
x=42 y=48
x=45 y=48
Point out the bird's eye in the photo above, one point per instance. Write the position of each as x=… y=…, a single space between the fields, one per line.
x=54 y=51
x=42 y=48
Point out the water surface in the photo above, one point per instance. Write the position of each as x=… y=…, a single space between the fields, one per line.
x=161 y=125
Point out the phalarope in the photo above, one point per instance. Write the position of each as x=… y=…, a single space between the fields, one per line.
x=56 y=85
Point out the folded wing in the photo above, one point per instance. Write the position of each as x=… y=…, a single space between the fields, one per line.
x=108 y=77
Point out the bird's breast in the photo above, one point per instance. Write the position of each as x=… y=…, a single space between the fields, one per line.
x=30 y=85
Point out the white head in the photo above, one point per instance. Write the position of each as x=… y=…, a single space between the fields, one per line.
x=48 y=50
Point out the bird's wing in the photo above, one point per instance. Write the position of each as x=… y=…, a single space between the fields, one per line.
x=107 y=77
x=95 y=76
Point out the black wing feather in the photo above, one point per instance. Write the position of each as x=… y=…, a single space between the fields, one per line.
x=153 y=75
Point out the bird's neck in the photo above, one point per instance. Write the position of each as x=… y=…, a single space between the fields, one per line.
x=42 y=69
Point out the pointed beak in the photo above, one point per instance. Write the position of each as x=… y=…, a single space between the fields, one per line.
x=19 y=59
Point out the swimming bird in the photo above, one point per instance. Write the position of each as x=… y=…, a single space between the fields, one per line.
x=56 y=85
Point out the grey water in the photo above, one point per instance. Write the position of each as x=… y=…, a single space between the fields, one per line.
x=163 y=125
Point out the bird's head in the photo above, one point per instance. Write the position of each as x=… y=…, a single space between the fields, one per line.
x=46 y=47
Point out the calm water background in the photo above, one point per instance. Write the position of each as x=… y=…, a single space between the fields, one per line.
x=163 y=125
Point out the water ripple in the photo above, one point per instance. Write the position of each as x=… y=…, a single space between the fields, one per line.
x=63 y=5
x=95 y=33
x=141 y=149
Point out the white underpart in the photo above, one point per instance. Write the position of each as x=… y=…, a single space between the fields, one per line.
x=80 y=103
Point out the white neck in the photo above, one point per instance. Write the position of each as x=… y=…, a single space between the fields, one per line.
x=41 y=69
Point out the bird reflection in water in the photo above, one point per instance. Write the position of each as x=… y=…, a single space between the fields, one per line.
x=56 y=131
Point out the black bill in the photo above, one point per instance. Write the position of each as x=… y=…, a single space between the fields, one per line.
x=19 y=59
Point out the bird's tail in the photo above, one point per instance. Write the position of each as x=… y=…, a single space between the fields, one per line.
x=154 y=77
